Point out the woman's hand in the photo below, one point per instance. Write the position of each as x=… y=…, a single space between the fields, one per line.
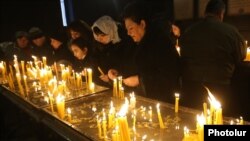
x=104 y=78
x=112 y=74
x=131 y=81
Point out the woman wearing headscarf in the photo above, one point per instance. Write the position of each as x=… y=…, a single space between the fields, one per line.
x=117 y=50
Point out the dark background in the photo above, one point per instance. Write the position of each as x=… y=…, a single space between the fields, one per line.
x=24 y=14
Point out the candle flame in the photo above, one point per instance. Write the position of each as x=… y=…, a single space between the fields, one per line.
x=144 y=137
x=69 y=110
x=177 y=95
x=201 y=119
x=60 y=98
x=213 y=100
x=123 y=110
x=158 y=107
x=186 y=130
x=46 y=99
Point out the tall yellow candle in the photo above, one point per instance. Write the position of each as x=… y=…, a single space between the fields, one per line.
x=111 y=115
x=200 y=127
x=123 y=124
x=205 y=109
x=121 y=92
x=60 y=103
x=177 y=95
x=159 y=116
x=115 y=135
x=104 y=126
x=44 y=62
x=189 y=136
x=51 y=99
x=132 y=100
x=219 y=118
x=2 y=69
x=92 y=87
x=11 y=71
x=115 y=87
x=25 y=84
x=89 y=77
x=241 y=121
x=69 y=114
x=150 y=114
x=22 y=65
x=134 y=118
x=99 y=126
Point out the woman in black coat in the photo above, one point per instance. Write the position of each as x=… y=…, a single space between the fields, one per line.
x=156 y=59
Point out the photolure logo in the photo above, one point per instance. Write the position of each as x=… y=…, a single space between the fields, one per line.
x=213 y=132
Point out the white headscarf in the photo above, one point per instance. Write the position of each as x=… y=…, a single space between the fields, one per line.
x=108 y=26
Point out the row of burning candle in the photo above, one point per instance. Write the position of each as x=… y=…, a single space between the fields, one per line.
x=119 y=123
x=208 y=117
x=44 y=74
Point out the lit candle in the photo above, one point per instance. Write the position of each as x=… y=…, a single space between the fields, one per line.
x=132 y=100
x=92 y=87
x=189 y=136
x=2 y=69
x=22 y=65
x=205 y=109
x=241 y=121
x=231 y=122
x=200 y=127
x=248 y=51
x=134 y=119
x=60 y=103
x=150 y=114
x=69 y=114
x=120 y=88
x=89 y=73
x=104 y=126
x=99 y=126
x=18 y=77
x=215 y=109
x=219 y=118
x=123 y=124
x=115 y=136
x=25 y=84
x=209 y=118
x=144 y=137
x=115 y=87
x=177 y=95
x=177 y=47
x=248 y=54
x=111 y=115
x=159 y=116
x=121 y=92
x=44 y=61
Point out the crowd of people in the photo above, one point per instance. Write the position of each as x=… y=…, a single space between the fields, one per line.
x=142 y=49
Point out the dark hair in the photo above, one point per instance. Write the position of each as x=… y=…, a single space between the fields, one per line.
x=215 y=7
x=137 y=11
x=82 y=27
x=35 y=33
x=98 y=31
x=20 y=34
x=81 y=43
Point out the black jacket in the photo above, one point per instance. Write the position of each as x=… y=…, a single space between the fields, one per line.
x=158 y=65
